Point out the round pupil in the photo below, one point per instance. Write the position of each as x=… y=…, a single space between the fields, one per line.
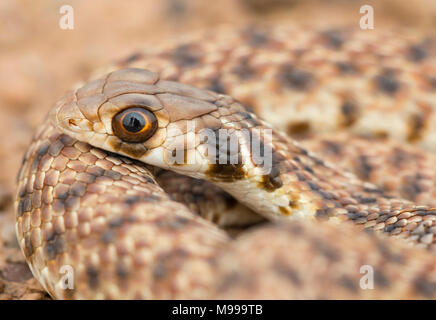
x=134 y=122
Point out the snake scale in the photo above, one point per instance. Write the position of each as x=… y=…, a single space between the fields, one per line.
x=350 y=135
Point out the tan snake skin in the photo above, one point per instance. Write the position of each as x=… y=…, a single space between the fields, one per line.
x=131 y=230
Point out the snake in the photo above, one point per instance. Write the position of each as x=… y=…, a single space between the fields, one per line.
x=262 y=162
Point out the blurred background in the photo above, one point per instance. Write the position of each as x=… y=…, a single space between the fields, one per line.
x=39 y=62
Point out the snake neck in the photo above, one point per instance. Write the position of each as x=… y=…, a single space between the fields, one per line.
x=299 y=184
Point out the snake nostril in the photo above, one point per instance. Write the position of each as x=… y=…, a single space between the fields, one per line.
x=71 y=122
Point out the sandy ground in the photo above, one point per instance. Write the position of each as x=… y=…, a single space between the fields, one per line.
x=39 y=61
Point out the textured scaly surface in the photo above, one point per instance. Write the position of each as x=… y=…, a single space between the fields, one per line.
x=108 y=208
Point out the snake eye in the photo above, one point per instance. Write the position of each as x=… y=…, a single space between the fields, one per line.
x=134 y=124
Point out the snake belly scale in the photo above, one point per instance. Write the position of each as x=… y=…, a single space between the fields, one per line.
x=97 y=190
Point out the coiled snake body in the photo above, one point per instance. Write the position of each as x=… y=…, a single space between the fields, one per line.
x=98 y=190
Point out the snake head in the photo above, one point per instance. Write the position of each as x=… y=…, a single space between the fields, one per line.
x=134 y=113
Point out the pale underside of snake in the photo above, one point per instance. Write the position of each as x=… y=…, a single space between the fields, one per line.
x=97 y=190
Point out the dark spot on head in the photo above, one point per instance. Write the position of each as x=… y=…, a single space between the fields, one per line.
x=185 y=56
x=292 y=78
x=286 y=211
x=134 y=150
x=224 y=167
x=387 y=83
x=226 y=172
x=350 y=113
x=298 y=128
x=271 y=181
x=115 y=144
